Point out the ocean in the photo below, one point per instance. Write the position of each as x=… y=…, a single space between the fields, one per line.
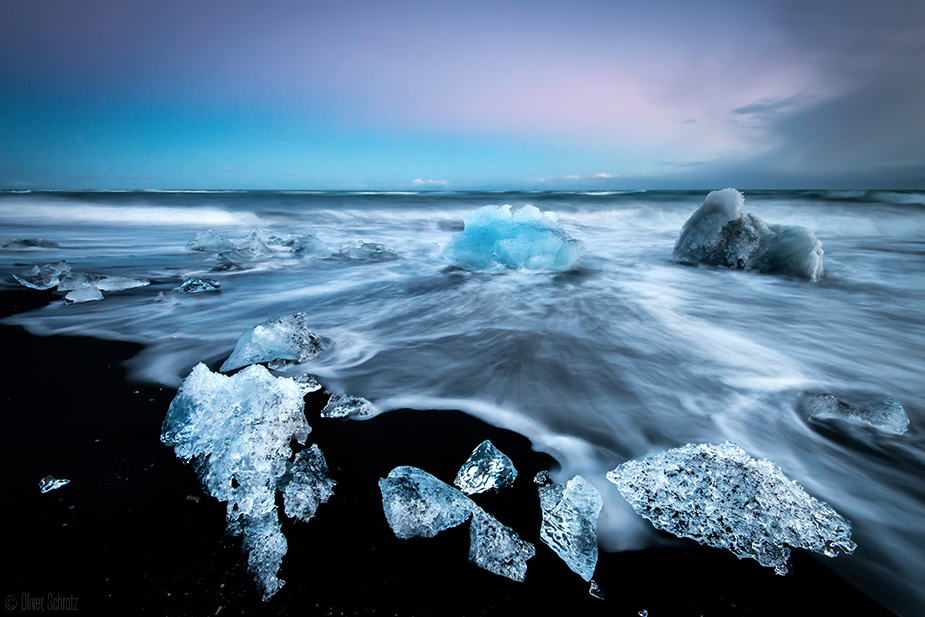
x=628 y=354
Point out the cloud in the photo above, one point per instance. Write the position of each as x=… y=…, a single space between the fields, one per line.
x=770 y=106
x=603 y=175
x=420 y=182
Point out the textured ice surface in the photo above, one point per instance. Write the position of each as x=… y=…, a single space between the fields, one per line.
x=570 y=521
x=236 y=431
x=196 y=284
x=720 y=233
x=283 y=338
x=494 y=238
x=307 y=383
x=886 y=415
x=27 y=243
x=310 y=245
x=84 y=294
x=367 y=251
x=307 y=485
x=45 y=276
x=77 y=280
x=50 y=483
x=416 y=503
x=720 y=496
x=209 y=242
x=342 y=405
x=497 y=548
x=486 y=469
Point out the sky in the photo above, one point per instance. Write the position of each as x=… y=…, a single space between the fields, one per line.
x=109 y=94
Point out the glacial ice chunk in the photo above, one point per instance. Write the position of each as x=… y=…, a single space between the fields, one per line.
x=721 y=233
x=496 y=239
x=720 y=496
x=283 y=338
x=308 y=485
x=196 y=284
x=342 y=405
x=310 y=245
x=28 y=243
x=83 y=294
x=570 y=521
x=595 y=591
x=45 y=276
x=497 y=548
x=886 y=415
x=209 y=242
x=487 y=469
x=307 y=383
x=50 y=483
x=236 y=431
x=367 y=251
x=416 y=503
x=77 y=280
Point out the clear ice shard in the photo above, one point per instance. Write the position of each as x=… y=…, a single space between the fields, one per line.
x=283 y=338
x=720 y=496
x=596 y=591
x=416 y=503
x=27 y=243
x=307 y=485
x=196 y=284
x=570 y=521
x=50 y=483
x=83 y=294
x=497 y=548
x=77 y=280
x=236 y=431
x=342 y=405
x=487 y=469
x=886 y=415
x=310 y=245
x=307 y=383
x=209 y=242
x=721 y=233
x=496 y=239
x=367 y=251
x=45 y=276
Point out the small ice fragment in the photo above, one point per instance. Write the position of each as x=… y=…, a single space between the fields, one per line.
x=487 y=469
x=720 y=496
x=209 y=242
x=886 y=415
x=367 y=251
x=309 y=484
x=195 y=285
x=77 y=280
x=497 y=548
x=160 y=297
x=26 y=243
x=596 y=591
x=307 y=383
x=50 y=483
x=283 y=338
x=310 y=245
x=570 y=521
x=84 y=294
x=45 y=276
x=496 y=239
x=342 y=405
x=276 y=365
x=416 y=503
x=643 y=613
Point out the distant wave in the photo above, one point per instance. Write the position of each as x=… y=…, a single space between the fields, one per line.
x=47 y=213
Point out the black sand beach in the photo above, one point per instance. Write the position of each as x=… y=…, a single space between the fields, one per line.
x=133 y=533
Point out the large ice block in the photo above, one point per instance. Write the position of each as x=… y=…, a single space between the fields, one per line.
x=487 y=469
x=570 y=521
x=497 y=548
x=416 y=503
x=282 y=338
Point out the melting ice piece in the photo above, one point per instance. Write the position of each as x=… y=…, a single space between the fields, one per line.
x=367 y=251
x=570 y=521
x=596 y=591
x=886 y=415
x=196 y=284
x=487 y=469
x=160 y=297
x=77 y=280
x=310 y=245
x=342 y=405
x=494 y=239
x=497 y=548
x=307 y=383
x=84 y=294
x=720 y=233
x=309 y=484
x=45 y=276
x=416 y=503
x=720 y=496
x=283 y=338
x=26 y=243
x=50 y=483
x=209 y=242
x=237 y=430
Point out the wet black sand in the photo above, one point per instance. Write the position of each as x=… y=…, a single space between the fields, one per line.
x=133 y=534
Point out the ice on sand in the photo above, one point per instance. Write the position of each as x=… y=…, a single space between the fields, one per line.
x=721 y=233
x=486 y=469
x=45 y=276
x=416 y=503
x=282 y=338
x=342 y=405
x=497 y=548
x=721 y=496
x=307 y=383
x=77 y=280
x=209 y=242
x=886 y=415
x=307 y=485
x=310 y=245
x=367 y=251
x=236 y=431
x=84 y=294
x=50 y=483
x=570 y=521
x=495 y=239
x=196 y=284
